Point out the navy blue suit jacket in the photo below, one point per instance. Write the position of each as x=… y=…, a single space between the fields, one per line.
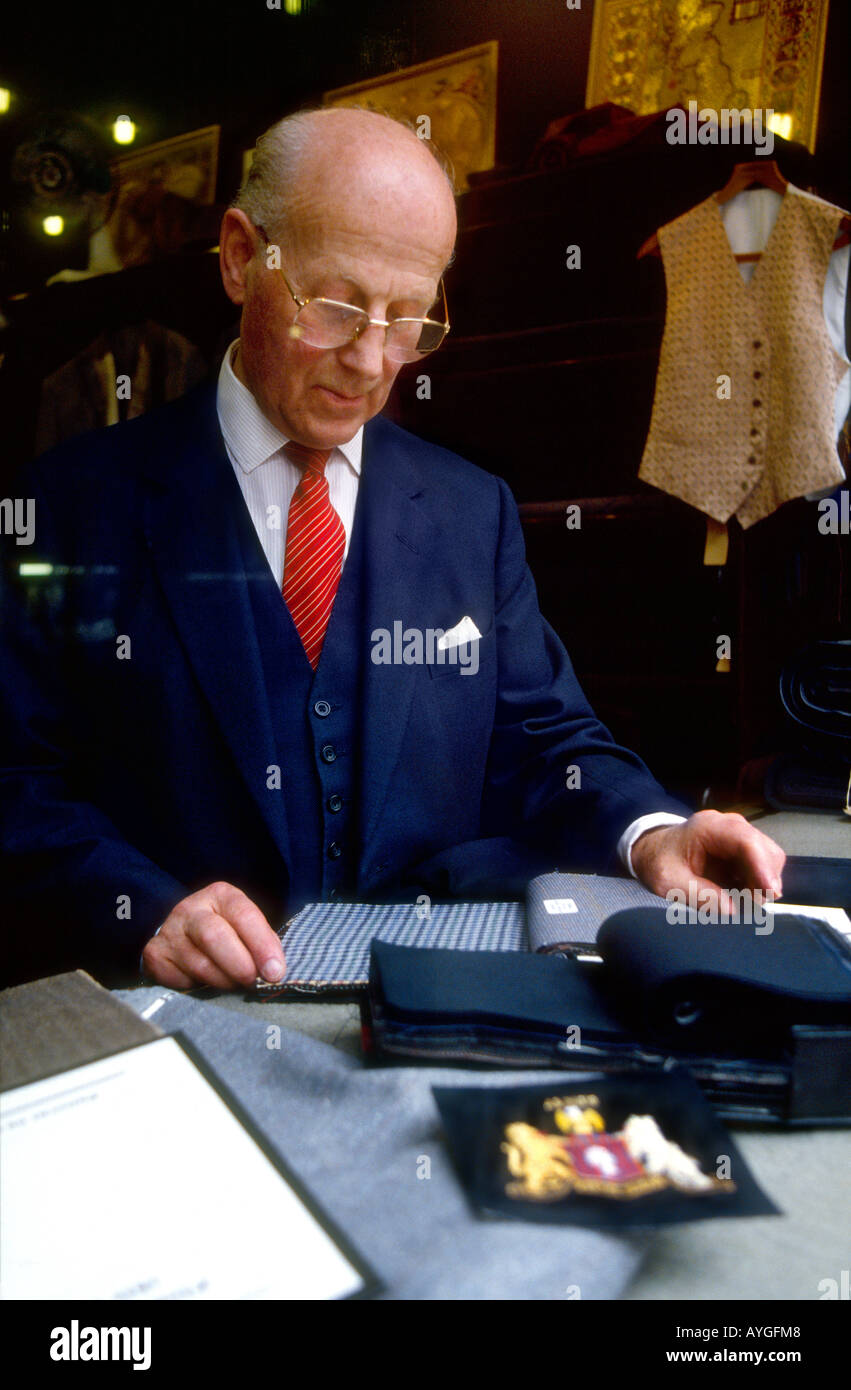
x=143 y=778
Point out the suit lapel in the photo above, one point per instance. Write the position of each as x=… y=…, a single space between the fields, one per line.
x=192 y=530
x=400 y=541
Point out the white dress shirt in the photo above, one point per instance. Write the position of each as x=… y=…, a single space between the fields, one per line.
x=268 y=479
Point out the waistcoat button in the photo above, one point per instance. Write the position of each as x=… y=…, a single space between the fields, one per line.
x=334 y=850
x=328 y=753
x=335 y=803
x=322 y=708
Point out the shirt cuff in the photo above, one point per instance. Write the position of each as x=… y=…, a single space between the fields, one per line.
x=638 y=827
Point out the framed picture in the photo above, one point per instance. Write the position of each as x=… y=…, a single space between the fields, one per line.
x=739 y=54
x=452 y=99
x=187 y=165
x=157 y=187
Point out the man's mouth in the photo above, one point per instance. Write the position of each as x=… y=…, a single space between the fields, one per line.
x=342 y=397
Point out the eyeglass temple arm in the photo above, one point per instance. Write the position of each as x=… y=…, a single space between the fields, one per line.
x=295 y=297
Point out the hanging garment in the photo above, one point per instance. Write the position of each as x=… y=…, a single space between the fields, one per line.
x=745 y=411
x=83 y=394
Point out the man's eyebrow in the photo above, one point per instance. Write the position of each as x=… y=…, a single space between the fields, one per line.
x=351 y=288
x=357 y=290
x=344 y=279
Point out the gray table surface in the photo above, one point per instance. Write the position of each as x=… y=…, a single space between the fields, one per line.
x=806 y=1172
x=799 y=832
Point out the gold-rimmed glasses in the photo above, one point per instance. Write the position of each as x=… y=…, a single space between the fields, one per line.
x=329 y=323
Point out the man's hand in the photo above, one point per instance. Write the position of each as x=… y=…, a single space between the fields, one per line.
x=712 y=852
x=217 y=937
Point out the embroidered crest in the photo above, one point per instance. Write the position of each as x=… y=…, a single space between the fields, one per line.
x=586 y=1159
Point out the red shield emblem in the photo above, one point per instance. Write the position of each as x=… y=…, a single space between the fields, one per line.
x=602 y=1156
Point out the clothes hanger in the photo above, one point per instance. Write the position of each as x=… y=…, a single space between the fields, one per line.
x=755 y=173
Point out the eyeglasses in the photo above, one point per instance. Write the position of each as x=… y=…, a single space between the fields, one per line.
x=328 y=323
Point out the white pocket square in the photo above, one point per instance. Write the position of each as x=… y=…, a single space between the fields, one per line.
x=465 y=631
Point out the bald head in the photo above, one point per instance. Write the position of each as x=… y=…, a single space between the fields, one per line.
x=314 y=163
x=345 y=206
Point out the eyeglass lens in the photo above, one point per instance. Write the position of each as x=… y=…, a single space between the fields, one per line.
x=326 y=325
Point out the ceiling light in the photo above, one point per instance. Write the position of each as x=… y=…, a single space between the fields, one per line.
x=123 y=130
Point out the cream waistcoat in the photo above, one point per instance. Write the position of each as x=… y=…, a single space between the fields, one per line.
x=773 y=437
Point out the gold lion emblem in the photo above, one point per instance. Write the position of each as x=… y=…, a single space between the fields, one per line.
x=585 y=1159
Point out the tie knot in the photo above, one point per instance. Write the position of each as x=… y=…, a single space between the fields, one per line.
x=309 y=460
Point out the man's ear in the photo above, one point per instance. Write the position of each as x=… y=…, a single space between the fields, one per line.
x=237 y=244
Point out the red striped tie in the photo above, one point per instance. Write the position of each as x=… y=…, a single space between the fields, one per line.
x=316 y=541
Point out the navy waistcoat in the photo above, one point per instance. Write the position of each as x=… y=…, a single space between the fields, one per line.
x=315 y=718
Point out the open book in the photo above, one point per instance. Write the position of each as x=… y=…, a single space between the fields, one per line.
x=327 y=944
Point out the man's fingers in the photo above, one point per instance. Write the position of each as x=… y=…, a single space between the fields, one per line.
x=215 y=937
x=165 y=972
x=711 y=895
x=213 y=944
x=182 y=966
x=764 y=862
x=759 y=859
x=710 y=853
x=261 y=944
x=204 y=970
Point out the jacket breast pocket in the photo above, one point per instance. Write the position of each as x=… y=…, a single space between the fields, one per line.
x=465 y=661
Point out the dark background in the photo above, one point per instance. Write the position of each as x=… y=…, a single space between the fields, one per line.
x=177 y=65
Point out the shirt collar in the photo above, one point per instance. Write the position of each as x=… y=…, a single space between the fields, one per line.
x=250 y=438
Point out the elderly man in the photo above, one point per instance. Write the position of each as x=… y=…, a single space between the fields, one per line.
x=205 y=736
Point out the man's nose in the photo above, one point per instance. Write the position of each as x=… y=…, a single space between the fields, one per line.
x=365 y=354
